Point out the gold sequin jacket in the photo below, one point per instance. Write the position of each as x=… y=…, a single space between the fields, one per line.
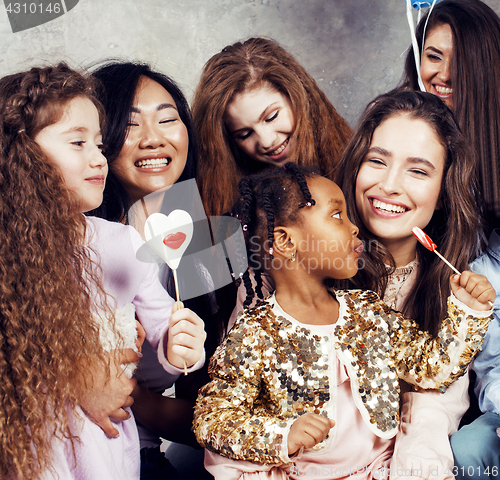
x=272 y=369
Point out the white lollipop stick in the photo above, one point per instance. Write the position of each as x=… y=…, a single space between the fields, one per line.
x=169 y=236
x=176 y=285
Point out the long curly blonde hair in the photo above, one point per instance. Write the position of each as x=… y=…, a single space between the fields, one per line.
x=48 y=335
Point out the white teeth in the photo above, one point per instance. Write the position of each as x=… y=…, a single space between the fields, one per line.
x=389 y=207
x=280 y=149
x=153 y=163
x=443 y=90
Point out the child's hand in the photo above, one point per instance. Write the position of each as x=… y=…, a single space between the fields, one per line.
x=473 y=289
x=186 y=337
x=308 y=430
x=110 y=391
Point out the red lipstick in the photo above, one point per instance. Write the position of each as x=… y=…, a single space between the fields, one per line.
x=174 y=240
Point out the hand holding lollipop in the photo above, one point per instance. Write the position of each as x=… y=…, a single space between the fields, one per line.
x=169 y=236
x=425 y=240
x=476 y=286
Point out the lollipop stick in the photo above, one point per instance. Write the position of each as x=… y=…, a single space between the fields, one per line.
x=446 y=261
x=176 y=285
x=180 y=306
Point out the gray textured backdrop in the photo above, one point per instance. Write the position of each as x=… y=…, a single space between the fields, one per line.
x=353 y=48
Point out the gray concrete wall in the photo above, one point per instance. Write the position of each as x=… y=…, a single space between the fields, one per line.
x=353 y=48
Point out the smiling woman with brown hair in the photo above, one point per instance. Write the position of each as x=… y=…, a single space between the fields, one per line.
x=408 y=164
x=255 y=105
x=461 y=65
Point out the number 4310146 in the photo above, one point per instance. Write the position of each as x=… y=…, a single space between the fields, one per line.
x=34 y=8
x=473 y=471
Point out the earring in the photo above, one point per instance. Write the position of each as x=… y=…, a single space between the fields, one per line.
x=293 y=257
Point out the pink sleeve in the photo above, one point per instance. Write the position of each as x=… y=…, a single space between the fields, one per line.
x=428 y=418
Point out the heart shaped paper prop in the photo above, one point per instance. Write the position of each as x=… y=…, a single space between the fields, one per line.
x=169 y=236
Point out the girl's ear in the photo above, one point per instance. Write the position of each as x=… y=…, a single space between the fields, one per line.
x=284 y=243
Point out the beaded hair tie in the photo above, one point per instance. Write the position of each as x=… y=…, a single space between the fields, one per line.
x=307 y=204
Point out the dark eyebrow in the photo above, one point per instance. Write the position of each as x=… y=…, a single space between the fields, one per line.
x=335 y=202
x=162 y=106
x=419 y=160
x=434 y=49
x=414 y=160
x=380 y=150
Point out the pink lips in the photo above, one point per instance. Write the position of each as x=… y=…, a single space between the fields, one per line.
x=445 y=97
x=97 y=180
x=359 y=248
x=174 y=240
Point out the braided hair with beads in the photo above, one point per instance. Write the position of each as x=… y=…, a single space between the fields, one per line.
x=274 y=196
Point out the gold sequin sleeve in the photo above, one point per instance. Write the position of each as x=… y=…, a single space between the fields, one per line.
x=234 y=414
x=436 y=362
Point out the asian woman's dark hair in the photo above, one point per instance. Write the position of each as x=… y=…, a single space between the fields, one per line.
x=475 y=70
x=455 y=225
x=119 y=82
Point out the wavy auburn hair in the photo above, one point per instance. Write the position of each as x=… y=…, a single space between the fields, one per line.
x=475 y=70
x=47 y=334
x=454 y=227
x=321 y=133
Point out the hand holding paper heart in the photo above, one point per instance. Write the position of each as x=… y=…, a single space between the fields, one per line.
x=169 y=237
x=186 y=337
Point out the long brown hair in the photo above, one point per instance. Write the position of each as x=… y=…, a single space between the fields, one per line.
x=475 y=70
x=454 y=227
x=320 y=131
x=48 y=338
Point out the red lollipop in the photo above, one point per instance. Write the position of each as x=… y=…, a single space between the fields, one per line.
x=425 y=240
